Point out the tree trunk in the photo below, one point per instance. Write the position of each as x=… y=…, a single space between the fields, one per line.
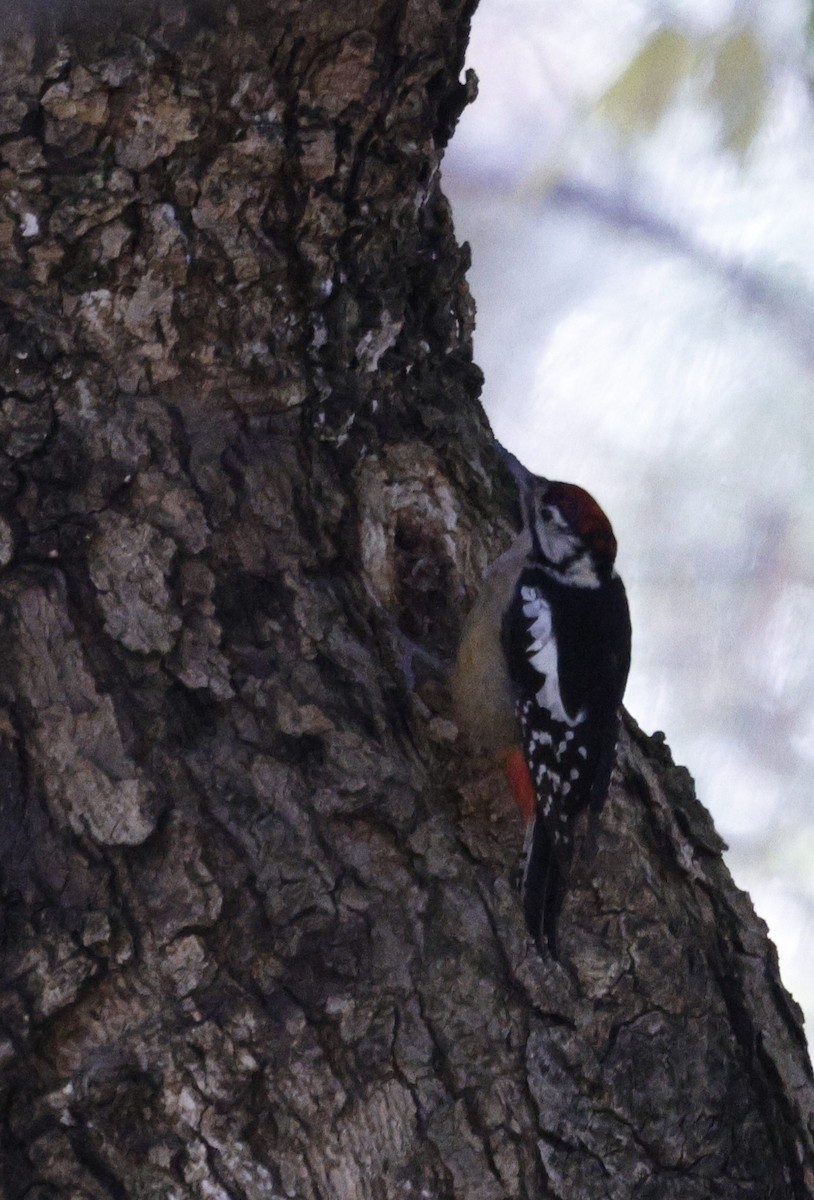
x=260 y=932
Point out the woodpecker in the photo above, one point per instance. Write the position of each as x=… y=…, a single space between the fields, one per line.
x=541 y=671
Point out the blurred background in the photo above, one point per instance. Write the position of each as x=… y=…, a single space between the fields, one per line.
x=635 y=180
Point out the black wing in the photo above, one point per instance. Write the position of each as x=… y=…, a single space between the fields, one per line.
x=568 y=651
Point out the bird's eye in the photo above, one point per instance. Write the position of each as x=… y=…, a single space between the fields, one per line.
x=547 y=512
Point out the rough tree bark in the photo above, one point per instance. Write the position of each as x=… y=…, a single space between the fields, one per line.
x=260 y=934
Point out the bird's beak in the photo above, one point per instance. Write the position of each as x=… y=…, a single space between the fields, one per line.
x=522 y=476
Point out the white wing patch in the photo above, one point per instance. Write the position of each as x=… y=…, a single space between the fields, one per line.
x=542 y=652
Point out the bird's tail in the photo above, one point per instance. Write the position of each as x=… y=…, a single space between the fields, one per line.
x=543 y=886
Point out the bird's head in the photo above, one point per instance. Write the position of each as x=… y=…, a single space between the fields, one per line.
x=570 y=535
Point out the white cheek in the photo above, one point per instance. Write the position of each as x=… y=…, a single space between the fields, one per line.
x=580 y=572
x=557 y=544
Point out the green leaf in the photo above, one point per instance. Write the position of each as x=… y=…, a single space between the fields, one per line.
x=638 y=99
x=740 y=88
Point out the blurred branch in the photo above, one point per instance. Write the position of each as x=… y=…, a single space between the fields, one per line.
x=792 y=313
